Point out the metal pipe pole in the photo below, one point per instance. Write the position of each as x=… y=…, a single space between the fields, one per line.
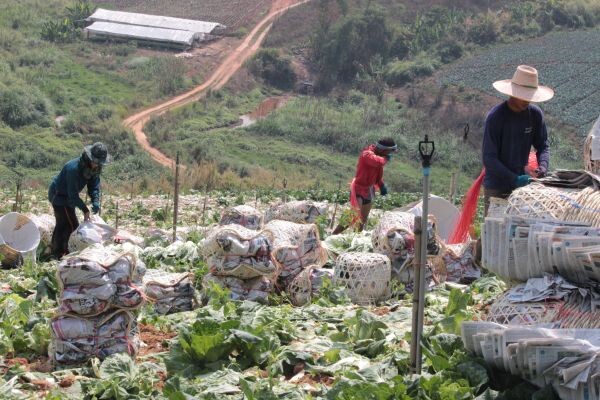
x=426 y=150
x=176 y=199
x=422 y=265
x=415 y=339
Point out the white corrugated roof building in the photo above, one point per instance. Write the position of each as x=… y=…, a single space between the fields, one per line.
x=134 y=32
x=156 y=21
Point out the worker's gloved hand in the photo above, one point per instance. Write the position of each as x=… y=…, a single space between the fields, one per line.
x=383 y=189
x=541 y=172
x=522 y=180
x=95 y=207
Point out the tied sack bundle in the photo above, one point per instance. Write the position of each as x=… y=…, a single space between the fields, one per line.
x=98 y=279
x=232 y=250
x=256 y=289
x=75 y=340
x=246 y=216
x=307 y=284
x=295 y=247
x=170 y=292
x=299 y=211
x=394 y=236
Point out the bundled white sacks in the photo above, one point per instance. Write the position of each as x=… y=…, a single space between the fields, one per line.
x=295 y=247
x=239 y=259
x=307 y=284
x=246 y=216
x=232 y=250
x=393 y=235
x=75 y=340
x=299 y=211
x=89 y=233
x=170 y=292
x=255 y=289
x=459 y=262
x=98 y=279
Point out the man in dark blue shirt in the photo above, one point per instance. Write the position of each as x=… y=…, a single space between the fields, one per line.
x=64 y=190
x=511 y=129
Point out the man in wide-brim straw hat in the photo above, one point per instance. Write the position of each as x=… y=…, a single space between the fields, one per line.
x=63 y=193
x=511 y=129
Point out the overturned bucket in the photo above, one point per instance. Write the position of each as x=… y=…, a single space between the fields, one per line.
x=19 y=239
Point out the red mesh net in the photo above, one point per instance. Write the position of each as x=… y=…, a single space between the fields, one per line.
x=469 y=208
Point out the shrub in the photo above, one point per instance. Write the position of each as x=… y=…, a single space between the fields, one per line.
x=273 y=68
x=24 y=105
x=484 y=30
x=449 y=50
x=399 y=73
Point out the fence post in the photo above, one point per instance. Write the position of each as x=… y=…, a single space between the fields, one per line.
x=176 y=198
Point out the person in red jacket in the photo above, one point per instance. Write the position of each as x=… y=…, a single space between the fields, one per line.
x=369 y=176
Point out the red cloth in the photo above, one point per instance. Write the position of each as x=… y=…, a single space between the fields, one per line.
x=369 y=171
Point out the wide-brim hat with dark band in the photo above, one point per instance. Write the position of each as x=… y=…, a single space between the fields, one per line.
x=524 y=85
x=98 y=153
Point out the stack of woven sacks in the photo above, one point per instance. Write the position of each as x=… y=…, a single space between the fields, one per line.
x=170 y=292
x=99 y=296
x=239 y=259
x=295 y=248
x=299 y=211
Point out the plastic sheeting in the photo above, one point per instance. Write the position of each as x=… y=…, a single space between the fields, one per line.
x=157 y=21
x=181 y=38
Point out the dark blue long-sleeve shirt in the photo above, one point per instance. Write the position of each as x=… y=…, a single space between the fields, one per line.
x=65 y=187
x=507 y=141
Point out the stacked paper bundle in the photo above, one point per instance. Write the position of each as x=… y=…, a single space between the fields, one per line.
x=521 y=248
x=567 y=359
x=94 y=286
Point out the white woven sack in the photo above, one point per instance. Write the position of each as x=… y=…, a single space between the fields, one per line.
x=247 y=216
x=45 y=224
x=394 y=246
x=295 y=246
x=366 y=276
x=232 y=245
x=307 y=284
x=299 y=211
x=89 y=233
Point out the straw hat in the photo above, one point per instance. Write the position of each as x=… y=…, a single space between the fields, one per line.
x=524 y=85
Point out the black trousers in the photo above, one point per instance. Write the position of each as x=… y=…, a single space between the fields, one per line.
x=66 y=223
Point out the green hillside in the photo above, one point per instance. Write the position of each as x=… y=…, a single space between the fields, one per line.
x=370 y=62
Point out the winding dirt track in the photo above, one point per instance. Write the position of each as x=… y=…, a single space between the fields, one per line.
x=217 y=80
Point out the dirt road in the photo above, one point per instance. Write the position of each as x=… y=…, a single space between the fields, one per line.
x=217 y=79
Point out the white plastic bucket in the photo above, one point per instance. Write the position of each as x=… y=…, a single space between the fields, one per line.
x=446 y=214
x=19 y=234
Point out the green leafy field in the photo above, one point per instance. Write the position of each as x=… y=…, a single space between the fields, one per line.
x=329 y=349
x=566 y=61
